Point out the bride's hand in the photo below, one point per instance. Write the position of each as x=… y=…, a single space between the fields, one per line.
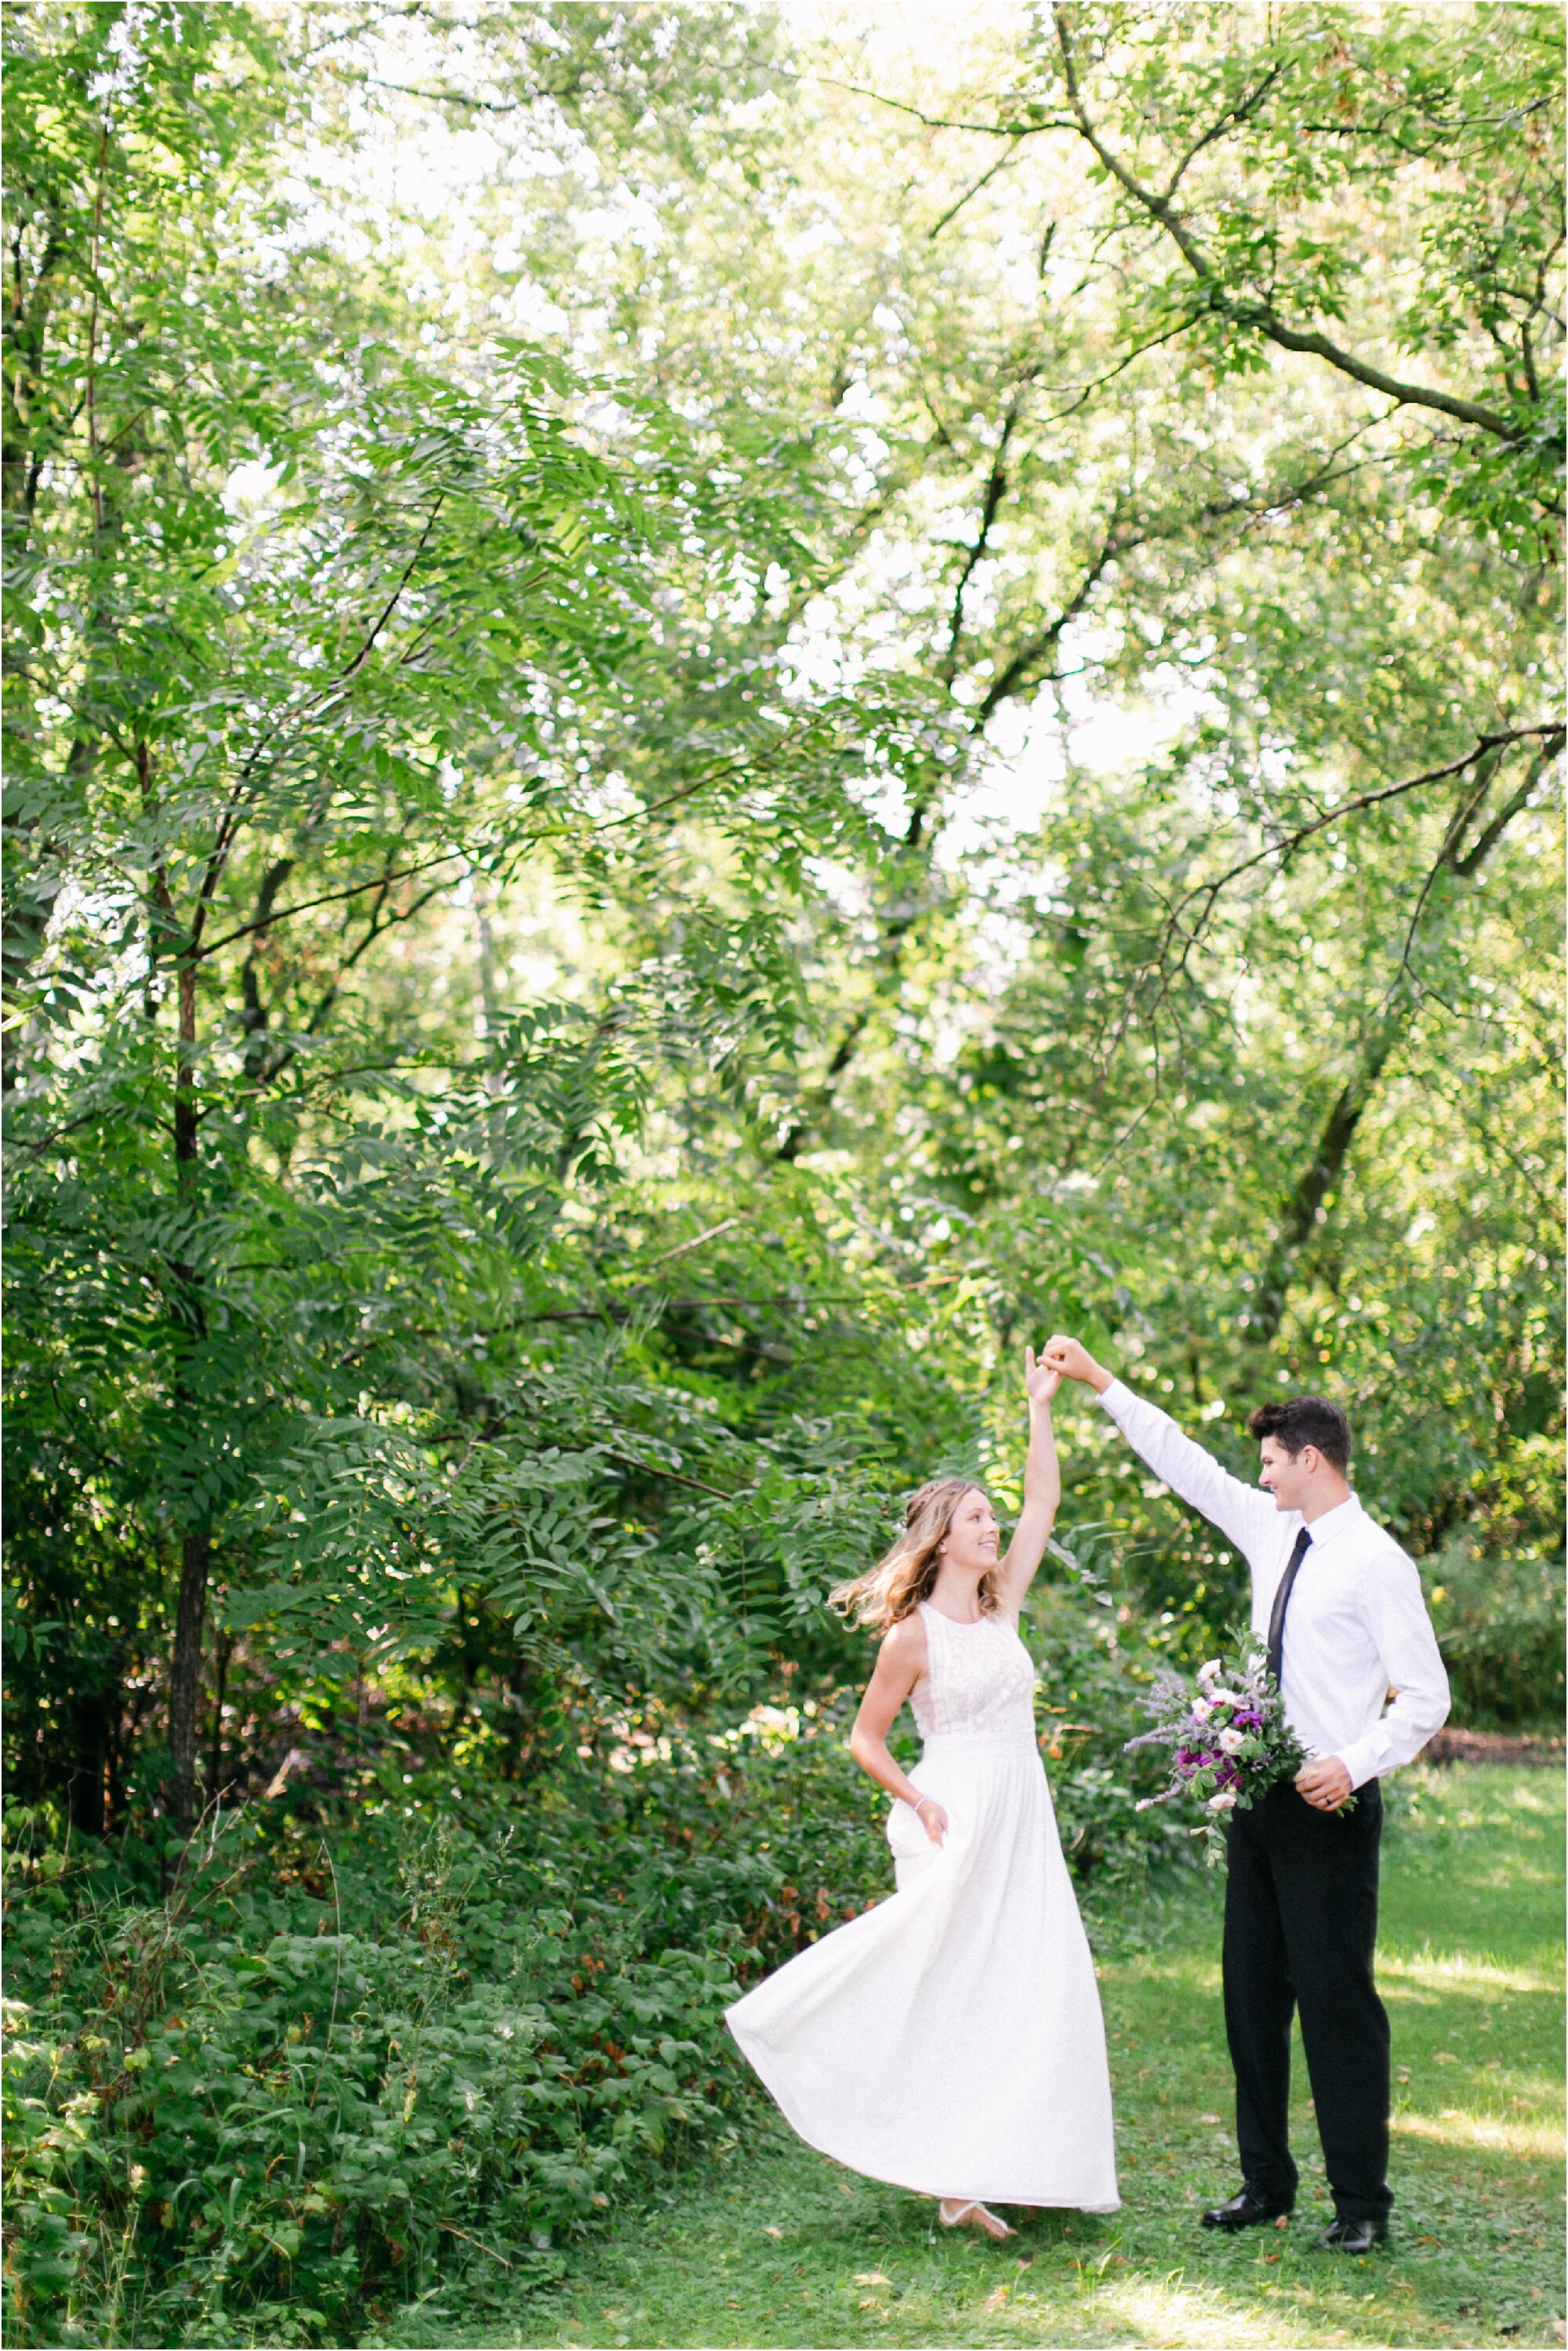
x=932 y=1818
x=1041 y=1379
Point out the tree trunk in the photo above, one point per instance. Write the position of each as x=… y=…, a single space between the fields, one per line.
x=1456 y=864
x=821 y=1101
x=196 y=1545
x=1307 y=1204
x=28 y=440
x=223 y=1651
x=85 y=1721
x=185 y=1109
x=185 y=1674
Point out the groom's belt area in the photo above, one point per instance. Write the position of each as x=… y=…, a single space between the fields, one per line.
x=1285 y=1799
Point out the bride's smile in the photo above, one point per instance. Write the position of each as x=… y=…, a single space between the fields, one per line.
x=972 y=1540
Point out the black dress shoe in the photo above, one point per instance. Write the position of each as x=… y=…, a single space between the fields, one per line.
x=1353 y=2236
x=1246 y=2211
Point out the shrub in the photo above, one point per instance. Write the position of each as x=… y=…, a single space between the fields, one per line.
x=351 y=2062
x=1091 y=1662
x=1500 y=1624
x=243 y=2103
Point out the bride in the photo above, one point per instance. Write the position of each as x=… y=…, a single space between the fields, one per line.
x=950 y=2039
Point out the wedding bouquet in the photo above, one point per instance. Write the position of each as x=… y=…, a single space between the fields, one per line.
x=1228 y=1739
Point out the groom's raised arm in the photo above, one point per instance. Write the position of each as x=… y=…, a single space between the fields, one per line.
x=1240 y=1511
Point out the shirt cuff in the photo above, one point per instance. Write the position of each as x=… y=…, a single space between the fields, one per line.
x=1116 y=1397
x=1363 y=1758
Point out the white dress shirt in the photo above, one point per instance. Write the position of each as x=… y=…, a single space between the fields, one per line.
x=1356 y=1626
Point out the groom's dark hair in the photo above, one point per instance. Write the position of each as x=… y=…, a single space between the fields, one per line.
x=1305 y=1420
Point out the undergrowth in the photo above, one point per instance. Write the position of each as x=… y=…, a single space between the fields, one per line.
x=279 y=2084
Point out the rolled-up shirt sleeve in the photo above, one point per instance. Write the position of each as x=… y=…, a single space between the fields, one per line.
x=1242 y=1513
x=1396 y=1616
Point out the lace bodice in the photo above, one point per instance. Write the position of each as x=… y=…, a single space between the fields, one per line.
x=978 y=1677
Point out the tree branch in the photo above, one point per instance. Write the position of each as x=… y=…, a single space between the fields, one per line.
x=1208 y=893
x=243 y=791
x=395 y=599
x=988 y=174
x=1159 y=207
x=1231 y=119
x=995 y=491
x=327 y=898
x=1485 y=841
x=1014 y=130
x=275 y=1063
x=1408 y=395
x=1024 y=667
x=1448 y=859
x=1259 y=315
x=1028 y=658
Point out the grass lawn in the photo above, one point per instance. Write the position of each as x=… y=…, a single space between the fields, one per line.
x=772 y=2244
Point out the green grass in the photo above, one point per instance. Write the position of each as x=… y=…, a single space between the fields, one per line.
x=774 y=2245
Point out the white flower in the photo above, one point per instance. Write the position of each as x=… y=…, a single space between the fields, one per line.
x=1231 y=1742
x=1201 y=1709
x=1208 y=1675
x=1224 y=1801
x=1226 y=1698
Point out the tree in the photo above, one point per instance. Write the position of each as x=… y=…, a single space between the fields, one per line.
x=256 y=742
x=546 y=1075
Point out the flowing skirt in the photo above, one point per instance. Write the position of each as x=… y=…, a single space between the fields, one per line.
x=950 y=2041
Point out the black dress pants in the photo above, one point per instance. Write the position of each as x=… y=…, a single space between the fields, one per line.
x=1300 y=1921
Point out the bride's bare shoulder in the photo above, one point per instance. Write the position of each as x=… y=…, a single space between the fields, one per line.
x=904 y=1643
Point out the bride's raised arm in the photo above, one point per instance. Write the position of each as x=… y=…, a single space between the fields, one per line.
x=1041 y=1486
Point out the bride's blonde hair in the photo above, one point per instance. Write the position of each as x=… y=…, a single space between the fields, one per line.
x=904 y=1576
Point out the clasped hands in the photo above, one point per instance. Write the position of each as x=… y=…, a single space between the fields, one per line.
x=1324 y=1782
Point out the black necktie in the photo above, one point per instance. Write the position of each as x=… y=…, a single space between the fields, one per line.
x=1282 y=1601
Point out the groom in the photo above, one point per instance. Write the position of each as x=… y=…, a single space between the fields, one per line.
x=1340 y=1606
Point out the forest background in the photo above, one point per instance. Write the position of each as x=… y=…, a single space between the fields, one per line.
x=710 y=711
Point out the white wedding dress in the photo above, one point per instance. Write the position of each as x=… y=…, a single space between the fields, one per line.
x=950 y=2039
